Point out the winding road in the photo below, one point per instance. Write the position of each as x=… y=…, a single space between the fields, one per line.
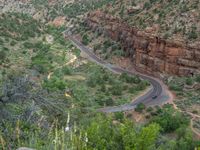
x=157 y=95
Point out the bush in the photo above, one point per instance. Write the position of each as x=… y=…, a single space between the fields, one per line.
x=85 y=39
x=176 y=87
x=140 y=107
x=118 y=52
x=189 y=81
x=103 y=100
x=141 y=86
x=132 y=90
x=119 y=116
x=197 y=79
x=13 y=43
x=103 y=88
x=193 y=33
x=169 y=119
x=54 y=84
x=116 y=89
x=107 y=44
x=66 y=70
x=2 y=56
x=97 y=46
x=130 y=79
x=147 y=5
x=149 y=109
x=41 y=63
x=28 y=45
x=109 y=101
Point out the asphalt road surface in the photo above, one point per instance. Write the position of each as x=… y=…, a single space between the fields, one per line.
x=157 y=95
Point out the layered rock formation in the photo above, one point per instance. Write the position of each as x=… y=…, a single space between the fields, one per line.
x=149 y=53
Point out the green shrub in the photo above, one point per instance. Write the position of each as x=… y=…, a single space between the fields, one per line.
x=85 y=39
x=54 y=84
x=193 y=33
x=140 y=107
x=130 y=79
x=2 y=56
x=116 y=89
x=107 y=44
x=197 y=79
x=147 y=5
x=97 y=46
x=28 y=45
x=66 y=70
x=13 y=43
x=103 y=88
x=175 y=87
x=169 y=119
x=41 y=63
x=189 y=81
x=149 y=109
x=132 y=90
x=119 y=116
x=1 y=41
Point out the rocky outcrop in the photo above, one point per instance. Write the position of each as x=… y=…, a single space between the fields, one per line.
x=149 y=53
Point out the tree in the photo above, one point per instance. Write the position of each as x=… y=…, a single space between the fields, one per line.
x=104 y=134
x=140 y=107
x=116 y=89
x=170 y=119
x=147 y=137
x=2 y=56
x=189 y=81
x=193 y=33
x=85 y=39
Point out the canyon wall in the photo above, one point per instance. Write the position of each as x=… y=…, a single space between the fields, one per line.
x=149 y=53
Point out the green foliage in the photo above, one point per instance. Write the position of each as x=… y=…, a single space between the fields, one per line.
x=147 y=5
x=119 y=116
x=54 y=84
x=81 y=7
x=13 y=43
x=41 y=63
x=116 y=89
x=85 y=39
x=28 y=45
x=189 y=81
x=130 y=79
x=43 y=59
x=141 y=86
x=66 y=70
x=97 y=76
x=97 y=46
x=119 y=52
x=140 y=107
x=197 y=79
x=103 y=134
x=12 y=26
x=104 y=100
x=170 y=119
x=193 y=33
x=2 y=55
x=175 y=87
x=147 y=137
x=107 y=44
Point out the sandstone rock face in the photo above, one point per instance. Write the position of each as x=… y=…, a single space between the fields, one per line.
x=149 y=53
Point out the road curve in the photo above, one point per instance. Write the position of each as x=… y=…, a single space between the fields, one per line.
x=158 y=89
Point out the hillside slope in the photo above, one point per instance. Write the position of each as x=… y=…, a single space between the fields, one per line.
x=174 y=19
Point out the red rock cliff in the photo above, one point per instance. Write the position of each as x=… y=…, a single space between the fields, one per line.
x=148 y=52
